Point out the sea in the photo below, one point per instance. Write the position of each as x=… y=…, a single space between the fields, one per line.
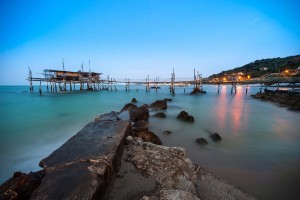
x=259 y=152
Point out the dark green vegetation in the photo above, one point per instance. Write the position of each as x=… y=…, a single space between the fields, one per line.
x=268 y=66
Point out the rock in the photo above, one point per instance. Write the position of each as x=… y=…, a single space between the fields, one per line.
x=128 y=107
x=197 y=90
x=289 y=98
x=201 y=141
x=145 y=105
x=185 y=185
x=167 y=99
x=140 y=113
x=21 y=185
x=139 y=126
x=159 y=105
x=170 y=194
x=134 y=100
x=159 y=115
x=215 y=137
x=184 y=116
x=167 y=132
x=149 y=136
x=112 y=116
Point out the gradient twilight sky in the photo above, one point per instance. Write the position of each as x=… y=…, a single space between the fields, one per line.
x=133 y=38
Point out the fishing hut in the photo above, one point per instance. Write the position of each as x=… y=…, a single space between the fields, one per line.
x=60 y=80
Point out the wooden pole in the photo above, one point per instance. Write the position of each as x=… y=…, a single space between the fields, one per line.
x=40 y=87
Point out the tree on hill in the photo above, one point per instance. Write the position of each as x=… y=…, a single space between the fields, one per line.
x=264 y=66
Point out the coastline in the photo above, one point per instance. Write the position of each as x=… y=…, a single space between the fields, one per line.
x=287 y=98
x=63 y=164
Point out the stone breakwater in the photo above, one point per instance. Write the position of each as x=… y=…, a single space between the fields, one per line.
x=117 y=157
x=290 y=99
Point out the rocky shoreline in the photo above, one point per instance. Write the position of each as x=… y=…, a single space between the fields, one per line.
x=118 y=157
x=287 y=98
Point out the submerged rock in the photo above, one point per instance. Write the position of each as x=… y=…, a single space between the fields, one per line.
x=140 y=113
x=167 y=132
x=159 y=105
x=201 y=141
x=167 y=99
x=159 y=115
x=184 y=116
x=215 y=137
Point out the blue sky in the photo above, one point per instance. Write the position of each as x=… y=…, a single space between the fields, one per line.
x=133 y=38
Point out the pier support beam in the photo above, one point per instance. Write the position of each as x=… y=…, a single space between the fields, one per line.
x=40 y=88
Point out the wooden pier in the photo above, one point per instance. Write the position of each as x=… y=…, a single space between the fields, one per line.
x=60 y=80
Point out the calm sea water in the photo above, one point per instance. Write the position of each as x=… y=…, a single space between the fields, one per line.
x=259 y=151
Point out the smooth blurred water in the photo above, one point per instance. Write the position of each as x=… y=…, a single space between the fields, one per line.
x=259 y=151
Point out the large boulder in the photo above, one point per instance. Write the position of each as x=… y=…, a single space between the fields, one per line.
x=184 y=116
x=140 y=113
x=159 y=105
x=128 y=107
x=149 y=136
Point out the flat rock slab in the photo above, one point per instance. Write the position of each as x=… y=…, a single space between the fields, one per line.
x=82 y=167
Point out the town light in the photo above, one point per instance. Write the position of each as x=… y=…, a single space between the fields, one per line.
x=248 y=76
x=286 y=71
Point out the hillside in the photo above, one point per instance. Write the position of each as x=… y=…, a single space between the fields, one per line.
x=263 y=67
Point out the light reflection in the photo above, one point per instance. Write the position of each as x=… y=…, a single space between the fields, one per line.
x=231 y=110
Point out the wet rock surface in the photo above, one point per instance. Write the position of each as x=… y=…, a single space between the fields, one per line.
x=167 y=132
x=82 y=167
x=201 y=141
x=134 y=100
x=112 y=116
x=170 y=169
x=128 y=107
x=209 y=187
x=155 y=172
x=291 y=99
x=184 y=116
x=215 y=137
x=168 y=99
x=160 y=115
x=139 y=126
x=140 y=113
x=197 y=90
x=21 y=185
x=159 y=105
x=149 y=136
